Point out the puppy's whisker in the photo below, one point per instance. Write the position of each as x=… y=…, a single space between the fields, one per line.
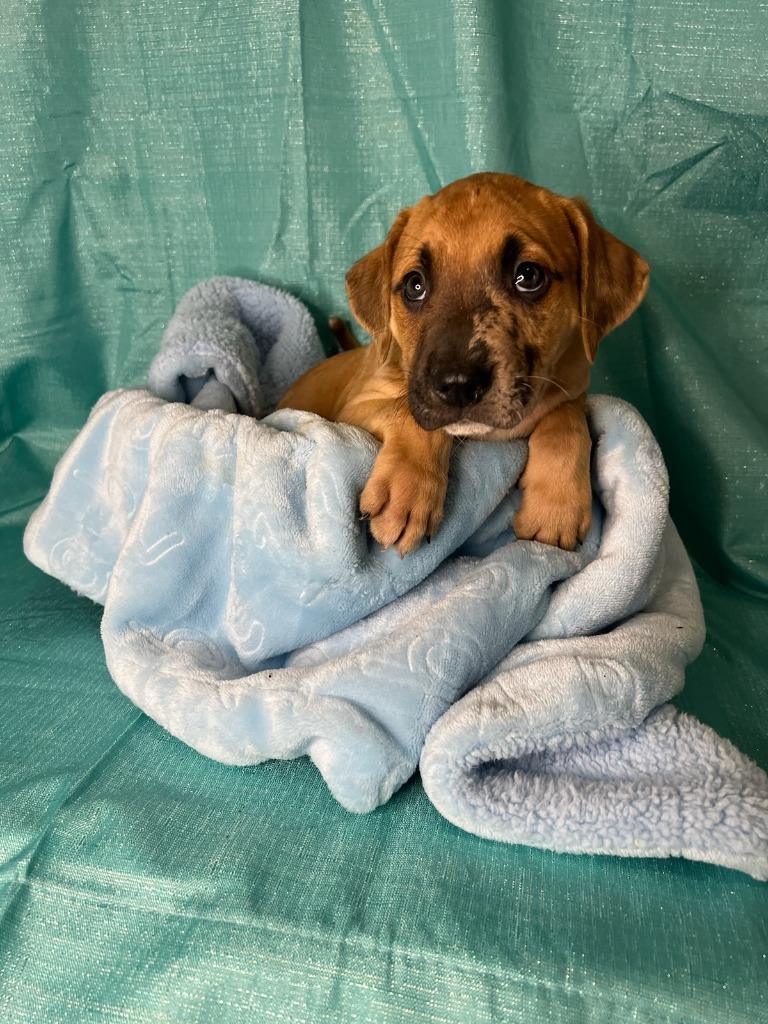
x=549 y=380
x=400 y=403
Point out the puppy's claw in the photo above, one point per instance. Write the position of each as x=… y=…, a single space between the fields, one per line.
x=553 y=519
x=404 y=505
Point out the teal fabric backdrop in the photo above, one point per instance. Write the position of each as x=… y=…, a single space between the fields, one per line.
x=149 y=145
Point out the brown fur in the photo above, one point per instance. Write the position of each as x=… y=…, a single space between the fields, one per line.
x=507 y=365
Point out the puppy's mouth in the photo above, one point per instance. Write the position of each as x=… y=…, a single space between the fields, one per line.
x=495 y=410
x=468 y=428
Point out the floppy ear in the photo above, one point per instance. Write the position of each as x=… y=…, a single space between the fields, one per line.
x=613 y=277
x=369 y=285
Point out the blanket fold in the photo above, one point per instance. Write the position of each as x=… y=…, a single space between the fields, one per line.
x=249 y=612
x=235 y=347
x=612 y=772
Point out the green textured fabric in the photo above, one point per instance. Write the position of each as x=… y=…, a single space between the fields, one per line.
x=148 y=145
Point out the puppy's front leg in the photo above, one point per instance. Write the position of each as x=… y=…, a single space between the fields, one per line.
x=405 y=493
x=556 y=507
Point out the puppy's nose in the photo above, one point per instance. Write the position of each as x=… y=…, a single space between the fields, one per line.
x=460 y=388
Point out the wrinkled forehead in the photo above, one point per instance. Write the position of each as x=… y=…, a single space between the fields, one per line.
x=472 y=228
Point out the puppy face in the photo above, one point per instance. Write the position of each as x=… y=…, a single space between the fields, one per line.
x=492 y=296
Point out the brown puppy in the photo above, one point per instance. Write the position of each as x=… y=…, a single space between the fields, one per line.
x=485 y=303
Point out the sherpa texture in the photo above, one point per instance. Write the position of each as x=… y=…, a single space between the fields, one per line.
x=249 y=612
x=235 y=347
x=607 y=772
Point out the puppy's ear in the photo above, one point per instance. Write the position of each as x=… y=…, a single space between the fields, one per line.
x=613 y=277
x=369 y=284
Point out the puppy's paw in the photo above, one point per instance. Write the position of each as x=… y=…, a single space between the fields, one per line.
x=560 y=516
x=403 y=503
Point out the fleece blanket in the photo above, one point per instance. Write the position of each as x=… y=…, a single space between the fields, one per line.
x=249 y=612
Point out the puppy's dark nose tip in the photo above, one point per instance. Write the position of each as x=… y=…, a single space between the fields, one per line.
x=460 y=389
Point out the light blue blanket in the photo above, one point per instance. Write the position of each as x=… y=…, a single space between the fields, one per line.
x=248 y=611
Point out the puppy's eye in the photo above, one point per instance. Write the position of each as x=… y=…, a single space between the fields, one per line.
x=530 y=278
x=414 y=287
